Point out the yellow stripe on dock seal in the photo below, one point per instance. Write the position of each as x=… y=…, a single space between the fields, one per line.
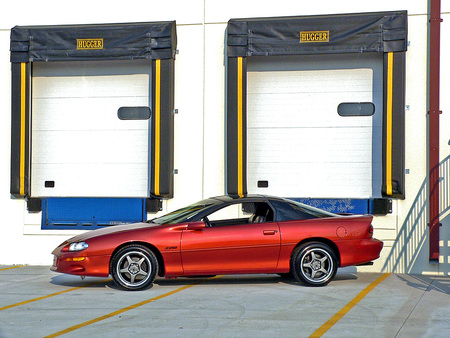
x=23 y=83
x=157 y=126
x=390 y=86
x=240 y=124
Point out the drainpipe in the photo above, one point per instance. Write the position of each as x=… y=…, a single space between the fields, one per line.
x=433 y=127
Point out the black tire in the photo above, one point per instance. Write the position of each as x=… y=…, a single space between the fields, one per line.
x=314 y=264
x=134 y=267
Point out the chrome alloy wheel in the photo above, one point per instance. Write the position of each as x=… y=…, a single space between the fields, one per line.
x=134 y=268
x=316 y=265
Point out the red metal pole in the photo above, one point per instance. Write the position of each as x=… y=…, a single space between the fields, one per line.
x=433 y=126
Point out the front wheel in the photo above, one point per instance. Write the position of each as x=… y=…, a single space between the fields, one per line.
x=314 y=264
x=134 y=267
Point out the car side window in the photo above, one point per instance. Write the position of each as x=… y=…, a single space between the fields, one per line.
x=290 y=212
x=263 y=213
x=229 y=212
x=241 y=213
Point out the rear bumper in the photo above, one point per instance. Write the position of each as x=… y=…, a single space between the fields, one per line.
x=358 y=252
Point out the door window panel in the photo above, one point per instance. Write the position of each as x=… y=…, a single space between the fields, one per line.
x=241 y=213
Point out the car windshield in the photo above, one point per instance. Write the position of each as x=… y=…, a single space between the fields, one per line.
x=184 y=214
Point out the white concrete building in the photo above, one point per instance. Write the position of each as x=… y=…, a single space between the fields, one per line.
x=72 y=149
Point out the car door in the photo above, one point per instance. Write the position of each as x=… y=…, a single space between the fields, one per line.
x=234 y=242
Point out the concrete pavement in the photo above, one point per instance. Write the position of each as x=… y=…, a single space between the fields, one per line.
x=35 y=302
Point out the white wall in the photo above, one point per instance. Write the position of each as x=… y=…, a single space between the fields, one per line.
x=199 y=126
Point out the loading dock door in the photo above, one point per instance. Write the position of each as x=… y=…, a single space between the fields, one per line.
x=79 y=145
x=298 y=144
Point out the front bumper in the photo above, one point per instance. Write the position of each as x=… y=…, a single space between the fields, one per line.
x=77 y=264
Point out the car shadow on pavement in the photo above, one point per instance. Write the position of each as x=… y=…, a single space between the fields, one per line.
x=93 y=282
x=246 y=279
x=74 y=281
x=347 y=273
x=220 y=279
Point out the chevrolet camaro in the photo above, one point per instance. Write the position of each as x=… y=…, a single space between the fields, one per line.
x=224 y=235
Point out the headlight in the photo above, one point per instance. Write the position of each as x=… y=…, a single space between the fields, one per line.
x=78 y=246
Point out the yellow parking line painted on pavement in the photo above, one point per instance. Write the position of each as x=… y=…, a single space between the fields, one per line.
x=12 y=267
x=51 y=295
x=333 y=320
x=118 y=312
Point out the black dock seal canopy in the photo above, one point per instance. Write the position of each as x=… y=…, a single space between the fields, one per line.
x=94 y=42
x=345 y=33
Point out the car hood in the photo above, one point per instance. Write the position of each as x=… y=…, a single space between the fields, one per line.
x=111 y=230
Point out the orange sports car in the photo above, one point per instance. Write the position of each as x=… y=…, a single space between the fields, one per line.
x=224 y=235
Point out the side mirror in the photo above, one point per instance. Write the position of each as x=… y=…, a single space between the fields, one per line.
x=196 y=226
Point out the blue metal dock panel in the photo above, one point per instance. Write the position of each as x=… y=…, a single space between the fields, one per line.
x=338 y=205
x=372 y=206
x=91 y=213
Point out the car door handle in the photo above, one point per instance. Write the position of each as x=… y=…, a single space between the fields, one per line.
x=269 y=232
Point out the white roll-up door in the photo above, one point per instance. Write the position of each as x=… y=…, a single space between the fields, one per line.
x=79 y=145
x=298 y=144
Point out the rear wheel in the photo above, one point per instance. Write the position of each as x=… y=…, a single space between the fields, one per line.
x=314 y=264
x=134 y=267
